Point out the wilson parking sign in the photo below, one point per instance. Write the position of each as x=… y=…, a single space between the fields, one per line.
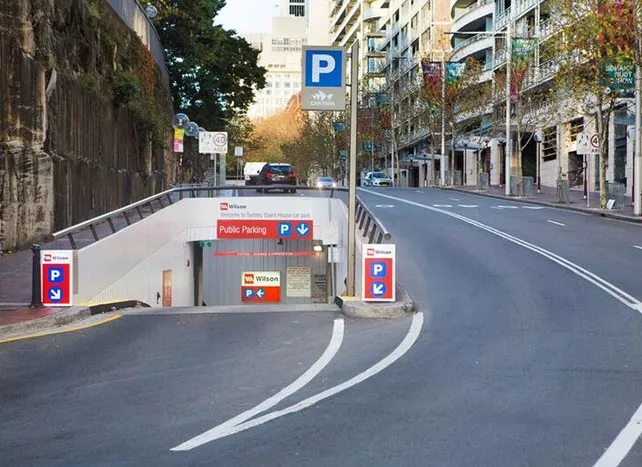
x=378 y=273
x=323 y=83
x=56 y=276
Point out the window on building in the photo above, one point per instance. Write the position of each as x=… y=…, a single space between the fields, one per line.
x=575 y=128
x=549 y=144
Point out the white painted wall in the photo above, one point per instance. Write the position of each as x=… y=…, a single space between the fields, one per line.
x=129 y=264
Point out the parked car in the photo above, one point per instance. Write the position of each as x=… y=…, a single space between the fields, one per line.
x=251 y=172
x=326 y=182
x=277 y=174
x=375 y=179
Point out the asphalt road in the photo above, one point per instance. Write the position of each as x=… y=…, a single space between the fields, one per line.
x=527 y=357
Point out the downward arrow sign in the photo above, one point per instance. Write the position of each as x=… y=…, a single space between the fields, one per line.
x=302 y=229
x=378 y=289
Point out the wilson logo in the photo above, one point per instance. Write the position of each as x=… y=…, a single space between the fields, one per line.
x=248 y=279
x=47 y=257
x=370 y=252
x=224 y=206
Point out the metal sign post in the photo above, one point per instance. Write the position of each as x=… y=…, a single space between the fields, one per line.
x=352 y=184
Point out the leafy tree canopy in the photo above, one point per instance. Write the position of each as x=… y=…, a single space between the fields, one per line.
x=213 y=71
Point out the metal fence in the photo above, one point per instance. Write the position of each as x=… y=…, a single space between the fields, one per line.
x=133 y=15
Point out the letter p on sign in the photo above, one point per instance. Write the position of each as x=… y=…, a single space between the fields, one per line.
x=322 y=64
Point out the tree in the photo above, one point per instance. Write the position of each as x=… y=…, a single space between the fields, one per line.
x=213 y=72
x=593 y=36
x=463 y=99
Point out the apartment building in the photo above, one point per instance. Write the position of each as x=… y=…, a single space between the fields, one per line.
x=549 y=146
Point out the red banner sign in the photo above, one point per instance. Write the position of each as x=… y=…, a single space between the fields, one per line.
x=253 y=229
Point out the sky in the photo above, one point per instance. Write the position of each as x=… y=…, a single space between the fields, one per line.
x=248 y=15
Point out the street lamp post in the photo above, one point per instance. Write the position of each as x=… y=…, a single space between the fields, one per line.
x=538 y=139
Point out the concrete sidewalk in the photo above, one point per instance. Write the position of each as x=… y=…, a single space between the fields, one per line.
x=547 y=197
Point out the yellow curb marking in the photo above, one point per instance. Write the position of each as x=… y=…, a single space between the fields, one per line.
x=61 y=331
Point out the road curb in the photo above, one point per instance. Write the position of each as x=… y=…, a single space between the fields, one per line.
x=610 y=215
x=64 y=318
x=355 y=308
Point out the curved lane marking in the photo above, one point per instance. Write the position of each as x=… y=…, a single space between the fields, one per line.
x=220 y=430
x=402 y=348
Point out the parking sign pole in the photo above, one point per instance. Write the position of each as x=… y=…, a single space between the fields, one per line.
x=36 y=285
x=352 y=184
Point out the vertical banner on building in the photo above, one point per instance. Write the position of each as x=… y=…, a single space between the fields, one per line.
x=454 y=71
x=522 y=52
x=431 y=72
x=179 y=136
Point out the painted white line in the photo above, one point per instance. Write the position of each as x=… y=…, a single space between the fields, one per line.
x=418 y=191
x=384 y=206
x=400 y=351
x=594 y=279
x=638 y=247
x=454 y=199
x=507 y=207
x=442 y=205
x=533 y=207
x=556 y=223
x=624 y=442
x=224 y=429
x=468 y=206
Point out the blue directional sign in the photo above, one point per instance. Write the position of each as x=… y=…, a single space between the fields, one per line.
x=303 y=229
x=55 y=294
x=378 y=269
x=260 y=293
x=285 y=229
x=249 y=293
x=323 y=83
x=378 y=289
x=56 y=275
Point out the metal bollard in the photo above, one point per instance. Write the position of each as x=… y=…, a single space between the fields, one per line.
x=36 y=289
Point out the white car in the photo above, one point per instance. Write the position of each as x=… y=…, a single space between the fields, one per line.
x=326 y=182
x=252 y=171
x=377 y=179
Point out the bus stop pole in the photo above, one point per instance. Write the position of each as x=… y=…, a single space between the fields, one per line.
x=352 y=184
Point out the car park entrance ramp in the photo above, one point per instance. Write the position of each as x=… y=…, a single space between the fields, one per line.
x=222 y=251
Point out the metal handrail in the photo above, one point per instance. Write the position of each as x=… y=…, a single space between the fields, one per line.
x=193 y=190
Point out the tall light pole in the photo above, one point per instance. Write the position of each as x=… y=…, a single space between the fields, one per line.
x=637 y=156
x=352 y=184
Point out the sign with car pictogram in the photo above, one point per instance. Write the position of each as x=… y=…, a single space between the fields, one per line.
x=378 y=273
x=56 y=275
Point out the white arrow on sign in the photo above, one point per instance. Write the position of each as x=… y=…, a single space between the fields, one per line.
x=303 y=229
x=260 y=293
x=377 y=289
x=55 y=294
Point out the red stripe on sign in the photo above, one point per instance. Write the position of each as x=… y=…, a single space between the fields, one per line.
x=261 y=228
x=264 y=253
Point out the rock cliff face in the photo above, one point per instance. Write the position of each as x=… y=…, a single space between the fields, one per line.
x=84 y=117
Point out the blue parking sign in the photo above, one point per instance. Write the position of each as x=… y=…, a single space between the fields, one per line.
x=324 y=68
x=56 y=275
x=378 y=269
x=285 y=229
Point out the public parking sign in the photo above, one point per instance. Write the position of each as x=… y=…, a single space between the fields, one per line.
x=378 y=273
x=261 y=287
x=323 y=84
x=56 y=277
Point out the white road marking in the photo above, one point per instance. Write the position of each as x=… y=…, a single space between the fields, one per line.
x=224 y=429
x=418 y=191
x=507 y=207
x=455 y=199
x=442 y=205
x=400 y=351
x=638 y=247
x=624 y=442
x=533 y=207
x=556 y=223
x=468 y=206
x=384 y=206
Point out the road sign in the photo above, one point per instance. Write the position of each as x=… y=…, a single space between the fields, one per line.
x=56 y=275
x=212 y=142
x=588 y=143
x=238 y=151
x=261 y=287
x=259 y=218
x=378 y=273
x=323 y=83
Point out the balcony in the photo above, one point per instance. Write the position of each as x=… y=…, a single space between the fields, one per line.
x=373 y=14
x=471 y=46
x=514 y=12
x=474 y=12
